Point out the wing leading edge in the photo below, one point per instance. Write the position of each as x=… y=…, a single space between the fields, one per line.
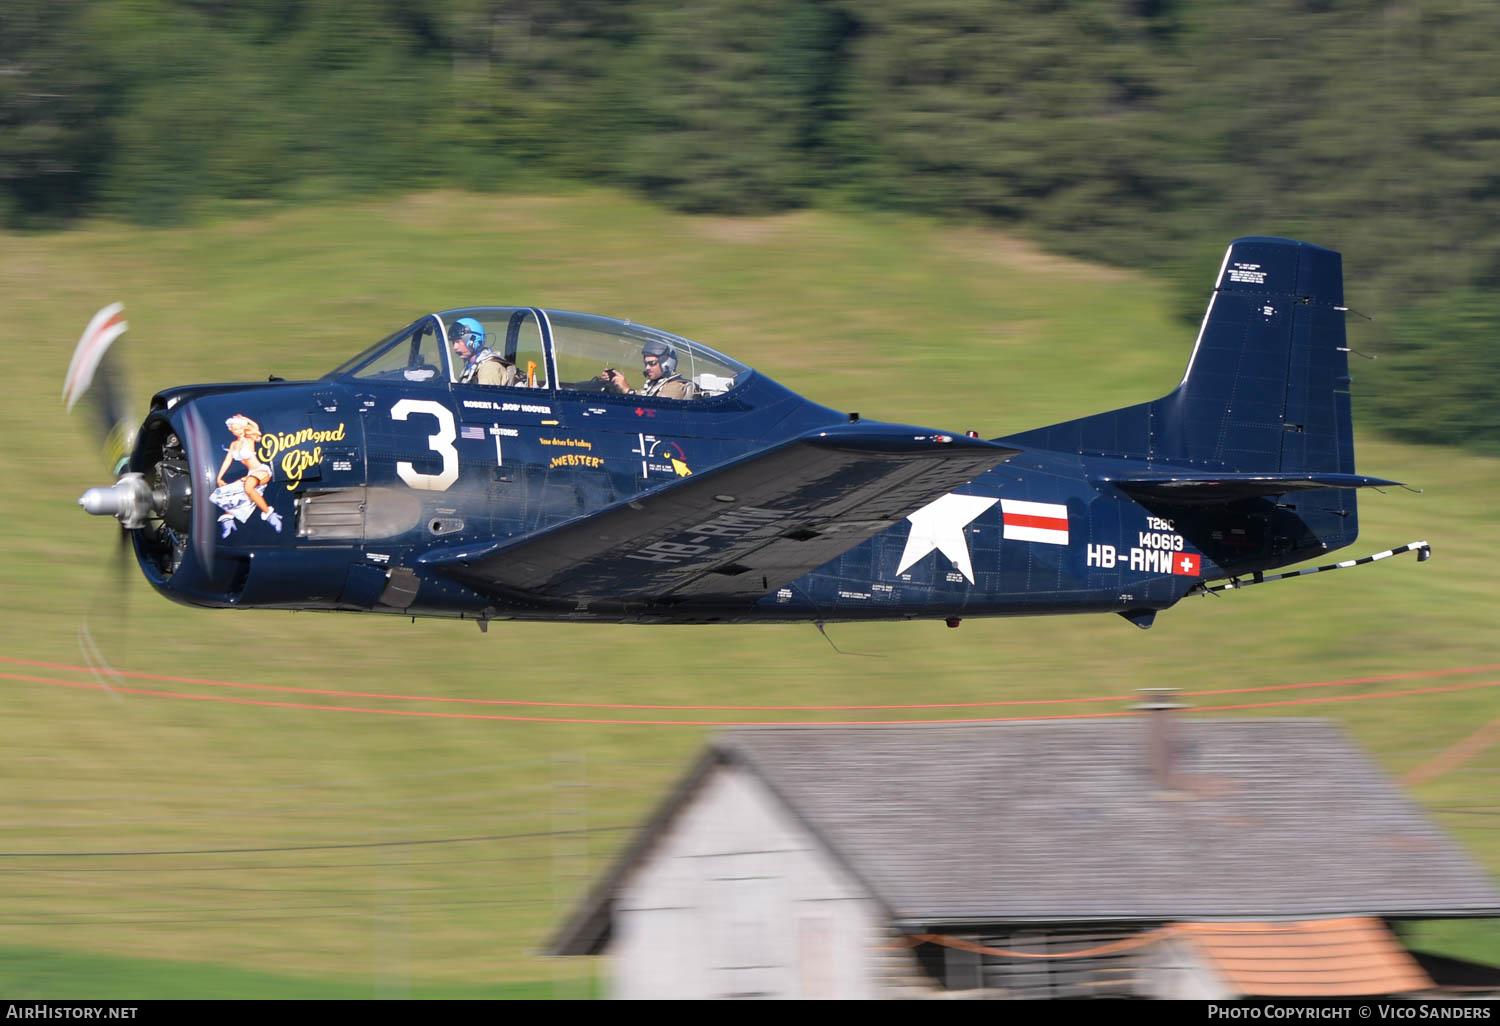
x=731 y=533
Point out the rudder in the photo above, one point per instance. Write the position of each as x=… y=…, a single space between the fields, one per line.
x=1267 y=386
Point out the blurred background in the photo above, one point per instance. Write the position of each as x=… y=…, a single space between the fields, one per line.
x=993 y=215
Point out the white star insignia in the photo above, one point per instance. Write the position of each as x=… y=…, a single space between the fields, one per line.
x=940 y=525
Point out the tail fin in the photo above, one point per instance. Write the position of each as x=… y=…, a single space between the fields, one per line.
x=1267 y=387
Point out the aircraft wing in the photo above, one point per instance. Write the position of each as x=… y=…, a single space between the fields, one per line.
x=734 y=532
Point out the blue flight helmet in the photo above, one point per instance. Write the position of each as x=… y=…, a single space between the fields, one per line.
x=470 y=332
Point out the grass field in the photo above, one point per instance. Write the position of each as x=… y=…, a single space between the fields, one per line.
x=155 y=846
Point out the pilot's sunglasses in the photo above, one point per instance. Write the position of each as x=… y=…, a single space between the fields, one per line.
x=651 y=361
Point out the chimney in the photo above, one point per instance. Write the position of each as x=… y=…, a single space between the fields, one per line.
x=1158 y=705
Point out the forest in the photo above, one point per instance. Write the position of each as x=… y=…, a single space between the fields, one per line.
x=1138 y=133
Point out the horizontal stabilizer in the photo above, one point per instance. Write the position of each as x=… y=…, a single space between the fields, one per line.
x=1189 y=489
x=733 y=532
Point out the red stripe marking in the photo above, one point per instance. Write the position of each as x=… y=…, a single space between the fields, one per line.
x=1027 y=520
x=99 y=333
x=93 y=341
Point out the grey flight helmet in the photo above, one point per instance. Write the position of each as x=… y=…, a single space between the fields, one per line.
x=664 y=353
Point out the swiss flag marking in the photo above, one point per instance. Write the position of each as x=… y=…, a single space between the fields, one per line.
x=1185 y=564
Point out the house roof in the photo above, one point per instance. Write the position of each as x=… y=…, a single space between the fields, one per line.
x=1320 y=958
x=1056 y=821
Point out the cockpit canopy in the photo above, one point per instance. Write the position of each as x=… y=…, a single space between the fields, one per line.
x=549 y=349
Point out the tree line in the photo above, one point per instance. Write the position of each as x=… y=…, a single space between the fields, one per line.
x=1138 y=132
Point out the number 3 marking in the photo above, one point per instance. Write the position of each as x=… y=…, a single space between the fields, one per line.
x=440 y=443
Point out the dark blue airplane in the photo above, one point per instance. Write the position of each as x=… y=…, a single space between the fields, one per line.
x=496 y=463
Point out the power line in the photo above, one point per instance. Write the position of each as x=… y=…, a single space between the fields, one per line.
x=306 y=847
x=322 y=912
x=513 y=702
x=735 y=723
x=252 y=867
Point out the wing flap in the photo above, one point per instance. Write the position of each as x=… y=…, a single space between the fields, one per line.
x=1207 y=489
x=731 y=533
